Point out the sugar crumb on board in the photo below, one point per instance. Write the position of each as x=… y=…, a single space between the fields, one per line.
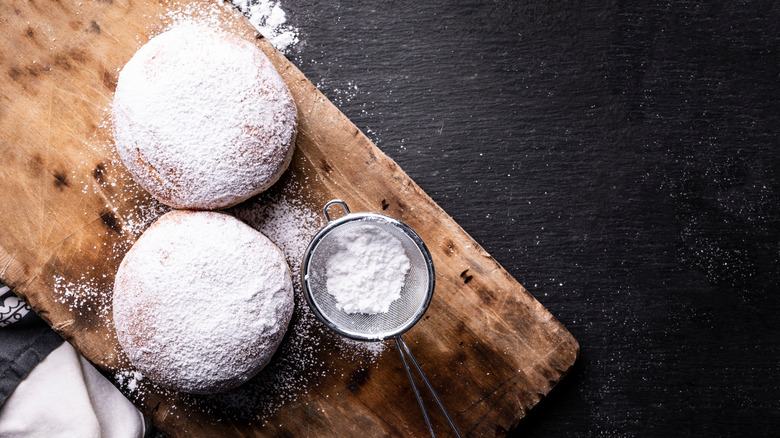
x=268 y=17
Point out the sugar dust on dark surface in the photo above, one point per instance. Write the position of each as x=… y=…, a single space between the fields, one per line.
x=619 y=160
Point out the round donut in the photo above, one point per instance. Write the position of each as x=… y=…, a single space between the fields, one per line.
x=202 y=120
x=201 y=301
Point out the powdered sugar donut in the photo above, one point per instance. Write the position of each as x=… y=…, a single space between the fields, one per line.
x=202 y=120
x=201 y=301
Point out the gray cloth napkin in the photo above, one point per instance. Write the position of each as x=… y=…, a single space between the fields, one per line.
x=25 y=340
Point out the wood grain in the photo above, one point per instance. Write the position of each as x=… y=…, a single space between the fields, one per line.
x=68 y=212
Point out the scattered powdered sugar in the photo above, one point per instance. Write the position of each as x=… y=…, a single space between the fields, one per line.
x=86 y=295
x=124 y=198
x=366 y=270
x=129 y=379
x=193 y=13
x=340 y=95
x=287 y=221
x=138 y=219
x=371 y=350
x=269 y=19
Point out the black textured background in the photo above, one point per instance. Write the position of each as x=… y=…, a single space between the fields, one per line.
x=620 y=160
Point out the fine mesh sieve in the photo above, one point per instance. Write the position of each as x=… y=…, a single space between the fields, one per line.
x=403 y=313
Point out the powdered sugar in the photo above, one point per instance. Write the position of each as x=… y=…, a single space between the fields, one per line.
x=366 y=270
x=202 y=119
x=201 y=301
x=269 y=19
x=85 y=296
x=129 y=379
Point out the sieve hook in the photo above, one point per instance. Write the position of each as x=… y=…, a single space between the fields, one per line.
x=333 y=202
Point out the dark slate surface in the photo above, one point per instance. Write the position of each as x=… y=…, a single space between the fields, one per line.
x=619 y=160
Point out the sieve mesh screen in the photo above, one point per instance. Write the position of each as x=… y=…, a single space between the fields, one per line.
x=403 y=312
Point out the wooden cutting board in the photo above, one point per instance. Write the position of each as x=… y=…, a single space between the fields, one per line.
x=69 y=211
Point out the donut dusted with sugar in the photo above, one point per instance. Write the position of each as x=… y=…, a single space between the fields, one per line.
x=202 y=120
x=201 y=301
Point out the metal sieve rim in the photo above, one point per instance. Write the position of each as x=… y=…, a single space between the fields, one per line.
x=373 y=217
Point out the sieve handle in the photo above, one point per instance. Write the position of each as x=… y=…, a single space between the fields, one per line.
x=403 y=348
x=333 y=202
